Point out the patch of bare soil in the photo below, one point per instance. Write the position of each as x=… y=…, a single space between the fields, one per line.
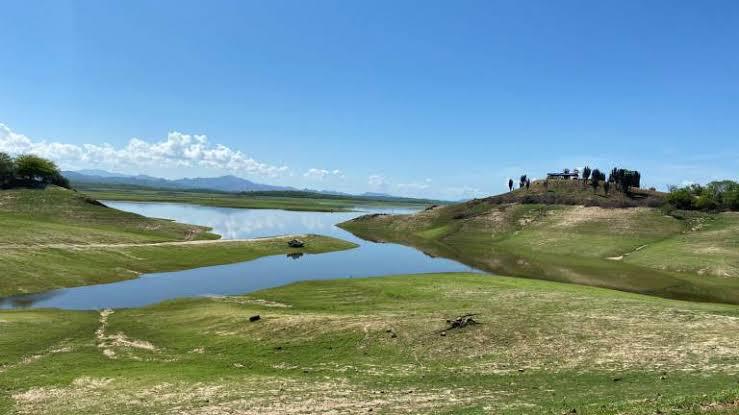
x=617 y=219
x=721 y=407
x=26 y=360
x=248 y=397
x=249 y=300
x=111 y=344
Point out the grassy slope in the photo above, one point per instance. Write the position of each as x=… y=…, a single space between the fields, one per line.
x=38 y=269
x=576 y=192
x=59 y=215
x=696 y=258
x=355 y=345
x=33 y=219
x=322 y=204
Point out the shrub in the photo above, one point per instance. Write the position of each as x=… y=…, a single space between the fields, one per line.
x=680 y=198
x=717 y=195
x=28 y=170
x=7 y=169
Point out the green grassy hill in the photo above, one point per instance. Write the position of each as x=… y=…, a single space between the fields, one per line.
x=57 y=215
x=633 y=249
x=58 y=238
x=383 y=345
x=376 y=345
x=577 y=192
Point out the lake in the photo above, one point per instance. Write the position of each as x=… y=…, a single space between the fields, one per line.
x=369 y=259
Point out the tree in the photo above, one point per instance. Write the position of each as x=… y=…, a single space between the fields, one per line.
x=680 y=198
x=510 y=185
x=59 y=180
x=7 y=170
x=625 y=178
x=725 y=193
x=586 y=173
x=522 y=181
x=35 y=171
x=28 y=170
x=595 y=181
x=606 y=187
x=32 y=168
x=717 y=195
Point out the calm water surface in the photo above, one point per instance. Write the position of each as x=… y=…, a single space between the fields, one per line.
x=370 y=259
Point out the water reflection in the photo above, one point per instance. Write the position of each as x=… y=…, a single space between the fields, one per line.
x=370 y=259
x=26 y=300
x=251 y=223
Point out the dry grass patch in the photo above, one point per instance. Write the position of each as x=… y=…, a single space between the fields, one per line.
x=248 y=396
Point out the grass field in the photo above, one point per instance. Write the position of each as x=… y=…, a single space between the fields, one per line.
x=381 y=345
x=57 y=215
x=361 y=345
x=299 y=201
x=58 y=238
x=634 y=249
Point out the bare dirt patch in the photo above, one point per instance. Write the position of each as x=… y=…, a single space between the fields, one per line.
x=26 y=360
x=249 y=300
x=617 y=219
x=112 y=344
x=248 y=397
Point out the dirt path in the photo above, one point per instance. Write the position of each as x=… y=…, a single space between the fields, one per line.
x=133 y=245
x=62 y=347
x=621 y=257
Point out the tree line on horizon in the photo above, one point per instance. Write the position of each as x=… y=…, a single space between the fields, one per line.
x=31 y=171
x=623 y=179
x=715 y=196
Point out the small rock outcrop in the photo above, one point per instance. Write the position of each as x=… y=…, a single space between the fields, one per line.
x=295 y=243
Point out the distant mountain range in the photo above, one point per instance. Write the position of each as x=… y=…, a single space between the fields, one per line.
x=221 y=184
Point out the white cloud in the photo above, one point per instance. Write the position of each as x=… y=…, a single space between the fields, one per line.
x=178 y=150
x=321 y=174
x=377 y=182
x=415 y=186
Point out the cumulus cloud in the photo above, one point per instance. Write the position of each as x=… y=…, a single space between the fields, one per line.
x=377 y=182
x=321 y=174
x=177 y=149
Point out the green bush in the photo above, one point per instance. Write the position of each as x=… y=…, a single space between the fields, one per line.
x=7 y=169
x=28 y=170
x=717 y=195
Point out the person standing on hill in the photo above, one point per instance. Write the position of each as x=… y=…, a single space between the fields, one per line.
x=510 y=185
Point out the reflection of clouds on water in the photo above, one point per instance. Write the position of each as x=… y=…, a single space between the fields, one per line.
x=242 y=223
x=370 y=259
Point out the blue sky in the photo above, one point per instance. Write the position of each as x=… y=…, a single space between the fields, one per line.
x=424 y=98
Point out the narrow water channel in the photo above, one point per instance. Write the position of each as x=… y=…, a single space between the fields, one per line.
x=369 y=259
